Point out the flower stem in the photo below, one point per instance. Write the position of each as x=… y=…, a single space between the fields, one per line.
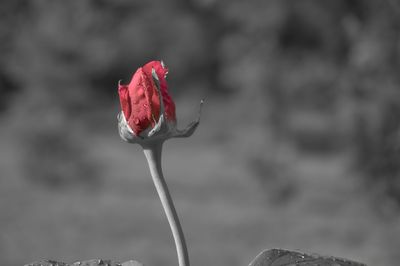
x=153 y=155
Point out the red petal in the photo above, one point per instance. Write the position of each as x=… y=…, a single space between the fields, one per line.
x=167 y=99
x=140 y=92
x=124 y=100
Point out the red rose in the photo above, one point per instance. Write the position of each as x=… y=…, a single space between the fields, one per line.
x=140 y=101
x=148 y=111
x=148 y=118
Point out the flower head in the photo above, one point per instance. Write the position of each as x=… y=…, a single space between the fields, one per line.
x=148 y=111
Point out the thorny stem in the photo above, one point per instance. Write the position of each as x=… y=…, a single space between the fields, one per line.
x=152 y=152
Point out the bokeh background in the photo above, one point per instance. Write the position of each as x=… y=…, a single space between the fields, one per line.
x=298 y=147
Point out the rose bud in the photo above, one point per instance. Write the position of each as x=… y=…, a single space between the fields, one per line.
x=148 y=118
x=148 y=111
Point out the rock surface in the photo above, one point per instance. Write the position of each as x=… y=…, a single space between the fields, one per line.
x=94 y=262
x=280 y=257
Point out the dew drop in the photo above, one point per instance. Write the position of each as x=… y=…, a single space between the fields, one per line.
x=136 y=121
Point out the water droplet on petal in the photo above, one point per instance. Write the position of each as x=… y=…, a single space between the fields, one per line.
x=136 y=121
x=145 y=105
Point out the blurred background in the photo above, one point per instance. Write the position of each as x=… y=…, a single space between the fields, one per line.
x=298 y=147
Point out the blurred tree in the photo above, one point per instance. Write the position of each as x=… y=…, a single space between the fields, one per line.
x=309 y=70
x=10 y=13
